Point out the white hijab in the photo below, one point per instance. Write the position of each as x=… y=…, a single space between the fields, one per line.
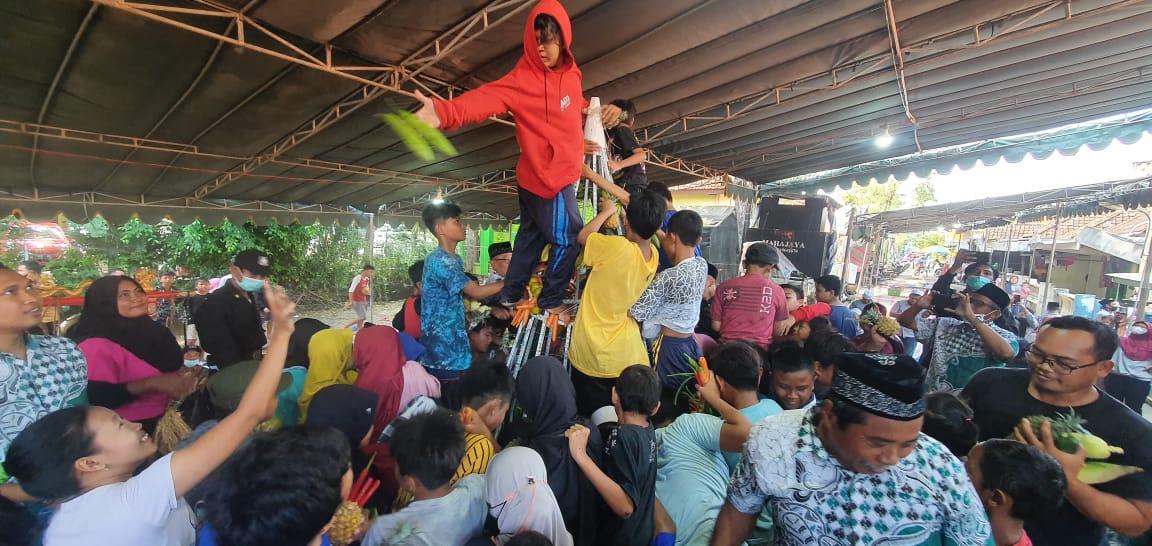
x=520 y=499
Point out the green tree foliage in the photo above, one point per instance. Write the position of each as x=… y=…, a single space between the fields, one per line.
x=924 y=193
x=315 y=257
x=874 y=197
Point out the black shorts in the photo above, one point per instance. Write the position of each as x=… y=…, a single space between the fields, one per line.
x=592 y=393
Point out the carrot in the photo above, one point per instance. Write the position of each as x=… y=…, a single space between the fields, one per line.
x=368 y=492
x=703 y=374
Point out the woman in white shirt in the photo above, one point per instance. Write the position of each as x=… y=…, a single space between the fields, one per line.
x=87 y=459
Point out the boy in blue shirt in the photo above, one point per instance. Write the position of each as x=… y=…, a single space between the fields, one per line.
x=442 y=327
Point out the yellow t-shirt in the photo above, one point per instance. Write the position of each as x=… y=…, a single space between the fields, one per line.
x=605 y=340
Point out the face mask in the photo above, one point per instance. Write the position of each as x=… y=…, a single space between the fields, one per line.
x=193 y=363
x=975 y=282
x=981 y=317
x=1139 y=330
x=248 y=284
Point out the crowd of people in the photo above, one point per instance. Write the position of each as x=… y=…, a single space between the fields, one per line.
x=692 y=409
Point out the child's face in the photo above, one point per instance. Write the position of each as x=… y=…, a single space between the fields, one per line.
x=793 y=389
x=481 y=340
x=549 y=49
x=167 y=280
x=193 y=355
x=451 y=230
x=800 y=330
x=202 y=287
x=793 y=301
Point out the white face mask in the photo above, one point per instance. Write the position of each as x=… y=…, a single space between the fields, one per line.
x=1138 y=330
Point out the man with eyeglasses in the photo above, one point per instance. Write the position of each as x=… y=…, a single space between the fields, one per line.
x=966 y=342
x=499 y=257
x=1069 y=356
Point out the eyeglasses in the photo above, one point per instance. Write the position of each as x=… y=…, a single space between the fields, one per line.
x=1037 y=358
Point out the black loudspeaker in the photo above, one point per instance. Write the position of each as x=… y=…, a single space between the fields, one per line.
x=777 y=212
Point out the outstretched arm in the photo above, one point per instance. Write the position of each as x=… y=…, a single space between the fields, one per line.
x=193 y=463
x=615 y=191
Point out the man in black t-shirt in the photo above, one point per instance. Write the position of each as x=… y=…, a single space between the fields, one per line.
x=626 y=160
x=1069 y=356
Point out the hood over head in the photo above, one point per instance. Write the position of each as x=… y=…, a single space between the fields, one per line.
x=531 y=53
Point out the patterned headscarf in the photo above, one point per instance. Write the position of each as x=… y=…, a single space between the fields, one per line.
x=873 y=316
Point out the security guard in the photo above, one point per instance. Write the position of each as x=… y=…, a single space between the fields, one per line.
x=229 y=322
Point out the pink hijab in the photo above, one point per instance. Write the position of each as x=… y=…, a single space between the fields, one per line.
x=1137 y=347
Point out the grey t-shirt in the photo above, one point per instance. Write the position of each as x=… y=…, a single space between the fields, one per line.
x=450 y=520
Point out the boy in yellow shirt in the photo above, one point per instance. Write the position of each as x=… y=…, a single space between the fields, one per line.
x=605 y=338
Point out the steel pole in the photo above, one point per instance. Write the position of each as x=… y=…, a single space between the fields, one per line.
x=1145 y=269
x=1008 y=249
x=848 y=244
x=1052 y=256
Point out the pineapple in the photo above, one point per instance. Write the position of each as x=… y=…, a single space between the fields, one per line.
x=1069 y=435
x=350 y=515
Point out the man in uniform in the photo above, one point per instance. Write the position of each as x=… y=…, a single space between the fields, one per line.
x=228 y=322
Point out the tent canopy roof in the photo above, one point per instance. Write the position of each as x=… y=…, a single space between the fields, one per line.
x=997 y=211
x=273 y=100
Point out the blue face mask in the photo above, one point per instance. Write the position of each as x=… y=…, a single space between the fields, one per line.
x=248 y=284
x=975 y=282
x=193 y=363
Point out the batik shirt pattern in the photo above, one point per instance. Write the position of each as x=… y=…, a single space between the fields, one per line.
x=925 y=499
x=443 y=331
x=54 y=376
x=957 y=351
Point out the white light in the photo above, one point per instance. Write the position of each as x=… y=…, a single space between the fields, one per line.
x=956 y=226
x=883 y=140
x=939 y=228
x=803 y=193
x=437 y=201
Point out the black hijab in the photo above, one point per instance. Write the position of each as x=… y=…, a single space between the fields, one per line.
x=100 y=318
x=546 y=395
x=298 y=341
x=347 y=408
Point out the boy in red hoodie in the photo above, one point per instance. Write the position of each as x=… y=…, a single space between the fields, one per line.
x=543 y=93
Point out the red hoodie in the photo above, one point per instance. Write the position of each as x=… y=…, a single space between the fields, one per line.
x=546 y=104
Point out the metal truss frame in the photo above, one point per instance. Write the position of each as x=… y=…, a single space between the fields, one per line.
x=935 y=49
x=388 y=78
x=393 y=178
x=98 y=199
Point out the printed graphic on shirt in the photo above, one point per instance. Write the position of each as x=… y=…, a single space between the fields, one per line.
x=745 y=298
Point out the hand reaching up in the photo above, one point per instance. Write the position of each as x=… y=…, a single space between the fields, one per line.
x=281 y=308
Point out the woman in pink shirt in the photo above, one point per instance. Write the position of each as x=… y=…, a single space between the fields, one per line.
x=135 y=366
